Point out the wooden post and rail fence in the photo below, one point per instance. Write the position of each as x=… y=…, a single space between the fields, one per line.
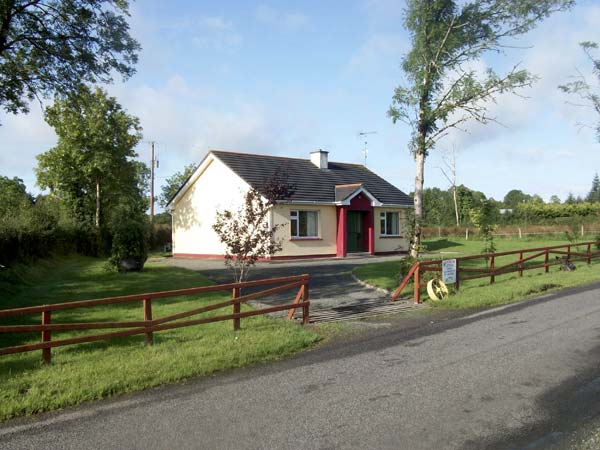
x=149 y=325
x=584 y=251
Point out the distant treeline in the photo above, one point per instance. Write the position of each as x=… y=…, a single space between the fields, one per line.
x=516 y=207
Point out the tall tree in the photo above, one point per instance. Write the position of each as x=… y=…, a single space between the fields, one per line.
x=450 y=173
x=515 y=197
x=92 y=165
x=582 y=88
x=13 y=196
x=173 y=183
x=50 y=46
x=441 y=91
x=594 y=194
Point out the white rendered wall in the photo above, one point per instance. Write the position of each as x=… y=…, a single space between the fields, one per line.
x=216 y=189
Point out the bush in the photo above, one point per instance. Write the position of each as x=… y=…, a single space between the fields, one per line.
x=129 y=249
x=160 y=236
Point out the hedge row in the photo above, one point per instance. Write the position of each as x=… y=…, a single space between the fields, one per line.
x=24 y=245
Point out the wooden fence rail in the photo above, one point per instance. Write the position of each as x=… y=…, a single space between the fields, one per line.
x=567 y=252
x=149 y=326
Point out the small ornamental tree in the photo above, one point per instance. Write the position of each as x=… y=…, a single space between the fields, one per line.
x=482 y=218
x=246 y=232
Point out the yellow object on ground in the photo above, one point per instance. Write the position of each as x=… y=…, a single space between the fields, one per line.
x=437 y=289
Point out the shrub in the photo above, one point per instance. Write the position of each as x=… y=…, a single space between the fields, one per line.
x=129 y=249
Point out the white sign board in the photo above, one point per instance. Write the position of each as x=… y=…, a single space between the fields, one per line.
x=449 y=271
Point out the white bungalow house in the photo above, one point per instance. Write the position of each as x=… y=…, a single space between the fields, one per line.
x=336 y=208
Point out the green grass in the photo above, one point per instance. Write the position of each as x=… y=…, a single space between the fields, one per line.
x=479 y=293
x=95 y=370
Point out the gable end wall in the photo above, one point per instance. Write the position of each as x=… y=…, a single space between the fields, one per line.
x=216 y=189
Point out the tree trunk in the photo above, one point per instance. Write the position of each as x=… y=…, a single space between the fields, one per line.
x=456 y=206
x=97 y=221
x=418 y=199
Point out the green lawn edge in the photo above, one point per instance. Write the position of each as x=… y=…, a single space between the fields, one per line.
x=93 y=371
x=476 y=294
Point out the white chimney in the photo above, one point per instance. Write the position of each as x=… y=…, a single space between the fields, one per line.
x=319 y=158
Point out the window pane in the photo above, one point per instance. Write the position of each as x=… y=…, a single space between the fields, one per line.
x=382 y=224
x=395 y=224
x=312 y=225
x=302 y=223
x=294 y=224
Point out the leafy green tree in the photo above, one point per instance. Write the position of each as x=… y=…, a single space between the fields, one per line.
x=441 y=91
x=594 y=194
x=51 y=46
x=555 y=200
x=570 y=200
x=516 y=197
x=13 y=196
x=438 y=206
x=467 y=200
x=173 y=183
x=582 y=88
x=92 y=166
x=483 y=218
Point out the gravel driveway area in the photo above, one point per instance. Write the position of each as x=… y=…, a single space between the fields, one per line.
x=332 y=286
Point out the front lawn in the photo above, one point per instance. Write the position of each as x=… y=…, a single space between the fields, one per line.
x=95 y=370
x=479 y=293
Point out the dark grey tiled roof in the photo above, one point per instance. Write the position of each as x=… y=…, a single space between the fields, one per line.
x=343 y=191
x=311 y=183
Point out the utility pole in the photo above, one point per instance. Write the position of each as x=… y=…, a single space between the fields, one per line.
x=153 y=162
x=365 y=150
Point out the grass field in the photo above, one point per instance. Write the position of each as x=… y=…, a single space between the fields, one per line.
x=95 y=370
x=479 y=293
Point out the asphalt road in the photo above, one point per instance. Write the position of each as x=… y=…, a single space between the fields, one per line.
x=518 y=378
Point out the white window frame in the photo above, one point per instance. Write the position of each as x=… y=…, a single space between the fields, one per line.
x=295 y=217
x=383 y=222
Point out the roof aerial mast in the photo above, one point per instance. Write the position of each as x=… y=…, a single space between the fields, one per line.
x=365 y=150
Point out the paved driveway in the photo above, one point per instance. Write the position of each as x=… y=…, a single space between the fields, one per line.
x=516 y=378
x=332 y=287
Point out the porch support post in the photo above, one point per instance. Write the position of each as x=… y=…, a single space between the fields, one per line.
x=341 y=231
x=371 y=231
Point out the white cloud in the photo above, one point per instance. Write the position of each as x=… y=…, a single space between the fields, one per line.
x=187 y=121
x=375 y=54
x=216 y=23
x=288 y=21
x=209 y=32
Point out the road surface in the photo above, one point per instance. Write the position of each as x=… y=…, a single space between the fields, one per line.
x=522 y=377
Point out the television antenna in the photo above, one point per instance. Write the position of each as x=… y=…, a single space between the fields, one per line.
x=364 y=134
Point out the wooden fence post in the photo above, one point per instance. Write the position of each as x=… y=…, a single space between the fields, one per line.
x=417 y=284
x=546 y=260
x=589 y=253
x=520 y=264
x=236 y=309
x=148 y=319
x=305 y=308
x=492 y=275
x=569 y=252
x=457 y=281
x=46 y=337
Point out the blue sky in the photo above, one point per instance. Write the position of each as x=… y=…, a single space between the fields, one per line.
x=286 y=78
